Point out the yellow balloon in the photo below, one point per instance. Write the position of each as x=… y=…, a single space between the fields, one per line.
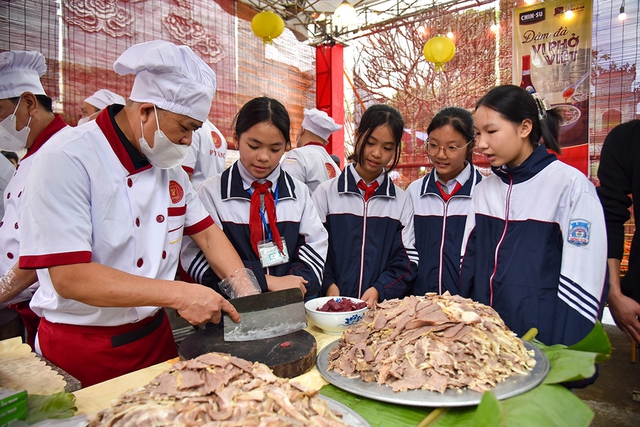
x=439 y=50
x=267 y=25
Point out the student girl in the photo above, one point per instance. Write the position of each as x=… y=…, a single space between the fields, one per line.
x=537 y=248
x=369 y=220
x=267 y=215
x=441 y=201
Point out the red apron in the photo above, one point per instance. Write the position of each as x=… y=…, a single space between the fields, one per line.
x=30 y=320
x=94 y=354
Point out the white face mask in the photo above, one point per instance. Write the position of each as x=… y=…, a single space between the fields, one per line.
x=12 y=139
x=164 y=154
x=88 y=118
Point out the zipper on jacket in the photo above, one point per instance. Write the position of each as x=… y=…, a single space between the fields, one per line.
x=444 y=226
x=504 y=233
x=364 y=238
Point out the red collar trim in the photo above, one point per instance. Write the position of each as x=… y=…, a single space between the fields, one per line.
x=52 y=128
x=106 y=126
x=319 y=144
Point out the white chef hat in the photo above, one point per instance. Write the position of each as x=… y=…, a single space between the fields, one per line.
x=20 y=72
x=103 y=98
x=320 y=123
x=172 y=77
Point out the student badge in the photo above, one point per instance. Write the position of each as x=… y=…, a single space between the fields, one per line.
x=578 y=232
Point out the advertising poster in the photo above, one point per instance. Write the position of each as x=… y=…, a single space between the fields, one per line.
x=552 y=56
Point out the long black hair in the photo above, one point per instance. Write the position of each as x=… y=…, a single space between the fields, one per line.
x=516 y=104
x=460 y=119
x=374 y=116
x=260 y=110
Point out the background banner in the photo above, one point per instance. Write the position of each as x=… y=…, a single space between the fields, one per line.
x=552 y=56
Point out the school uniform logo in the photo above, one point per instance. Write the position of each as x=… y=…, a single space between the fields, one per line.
x=579 y=232
x=176 y=192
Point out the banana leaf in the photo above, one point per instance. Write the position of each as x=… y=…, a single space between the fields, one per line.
x=52 y=406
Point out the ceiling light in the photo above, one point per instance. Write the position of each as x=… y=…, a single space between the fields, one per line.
x=494 y=27
x=622 y=15
x=569 y=13
x=345 y=15
x=450 y=35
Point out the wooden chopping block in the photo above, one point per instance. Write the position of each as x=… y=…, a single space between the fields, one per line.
x=288 y=356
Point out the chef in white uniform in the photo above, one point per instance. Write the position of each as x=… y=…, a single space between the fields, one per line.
x=206 y=154
x=310 y=162
x=97 y=102
x=26 y=121
x=105 y=236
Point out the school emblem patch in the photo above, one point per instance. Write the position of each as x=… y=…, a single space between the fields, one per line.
x=579 y=231
x=176 y=192
x=330 y=170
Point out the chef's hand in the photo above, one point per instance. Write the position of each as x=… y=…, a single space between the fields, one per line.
x=625 y=312
x=275 y=283
x=370 y=296
x=199 y=304
x=333 y=290
x=240 y=283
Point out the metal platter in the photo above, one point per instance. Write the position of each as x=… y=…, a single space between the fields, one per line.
x=349 y=416
x=510 y=387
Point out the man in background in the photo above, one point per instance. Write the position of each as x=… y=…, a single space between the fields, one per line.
x=619 y=175
x=310 y=162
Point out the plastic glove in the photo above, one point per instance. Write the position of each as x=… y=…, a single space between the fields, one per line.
x=5 y=282
x=240 y=284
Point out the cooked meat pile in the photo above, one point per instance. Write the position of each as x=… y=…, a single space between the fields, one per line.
x=217 y=389
x=431 y=342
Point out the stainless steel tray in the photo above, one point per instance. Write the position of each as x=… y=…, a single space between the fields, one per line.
x=349 y=416
x=510 y=387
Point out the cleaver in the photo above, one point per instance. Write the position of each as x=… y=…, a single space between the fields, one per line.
x=266 y=315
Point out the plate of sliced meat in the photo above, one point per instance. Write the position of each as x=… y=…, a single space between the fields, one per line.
x=432 y=351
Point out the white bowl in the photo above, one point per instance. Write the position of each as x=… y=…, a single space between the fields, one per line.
x=570 y=116
x=332 y=322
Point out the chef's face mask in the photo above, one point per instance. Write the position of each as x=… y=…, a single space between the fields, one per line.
x=88 y=118
x=164 y=154
x=12 y=139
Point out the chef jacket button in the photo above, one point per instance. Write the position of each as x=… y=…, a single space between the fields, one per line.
x=160 y=218
x=8 y=195
x=9 y=255
x=140 y=262
x=19 y=194
x=137 y=222
x=130 y=182
x=15 y=225
x=164 y=254
x=1 y=222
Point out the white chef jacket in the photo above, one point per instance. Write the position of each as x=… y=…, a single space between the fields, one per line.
x=6 y=172
x=310 y=164
x=206 y=155
x=9 y=226
x=97 y=207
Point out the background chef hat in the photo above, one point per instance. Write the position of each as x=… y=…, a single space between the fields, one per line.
x=20 y=72
x=320 y=123
x=172 y=77
x=103 y=98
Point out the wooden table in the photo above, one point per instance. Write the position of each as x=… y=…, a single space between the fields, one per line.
x=99 y=396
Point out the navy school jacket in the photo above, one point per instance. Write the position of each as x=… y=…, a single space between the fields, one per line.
x=439 y=230
x=370 y=243
x=228 y=202
x=536 y=249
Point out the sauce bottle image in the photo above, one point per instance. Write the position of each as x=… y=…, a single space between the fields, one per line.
x=526 y=83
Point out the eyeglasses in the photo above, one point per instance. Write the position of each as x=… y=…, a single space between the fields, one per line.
x=433 y=149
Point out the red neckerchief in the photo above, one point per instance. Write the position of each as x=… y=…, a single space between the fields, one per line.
x=255 y=221
x=446 y=196
x=369 y=190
